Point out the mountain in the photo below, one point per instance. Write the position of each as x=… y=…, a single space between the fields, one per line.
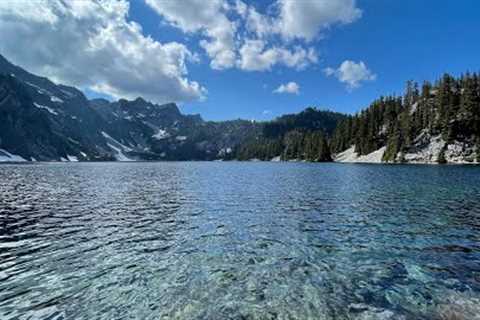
x=439 y=123
x=44 y=121
x=302 y=136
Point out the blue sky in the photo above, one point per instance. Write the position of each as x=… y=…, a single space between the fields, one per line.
x=388 y=42
x=398 y=40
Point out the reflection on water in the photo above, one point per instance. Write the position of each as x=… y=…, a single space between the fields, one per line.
x=239 y=241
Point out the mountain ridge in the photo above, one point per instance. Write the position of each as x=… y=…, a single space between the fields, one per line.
x=44 y=121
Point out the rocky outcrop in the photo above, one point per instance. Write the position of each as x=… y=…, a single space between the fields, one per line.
x=426 y=149
x=43 y=121
x=434 y=149
x=462 y=152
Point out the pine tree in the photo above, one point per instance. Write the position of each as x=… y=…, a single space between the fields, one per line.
x=469 y=104
x=441 y=157
x=451 y=107
x=426 y=106
x=393 y=145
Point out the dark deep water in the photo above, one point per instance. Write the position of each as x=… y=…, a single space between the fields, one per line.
x=239 y=241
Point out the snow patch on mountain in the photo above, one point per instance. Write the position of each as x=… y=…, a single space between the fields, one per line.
x=45 y=108
x=55 y=99
x=119 y=155
x=350 y=156
x=161 y=134
x=72 y=158
x=40 y=90
x=6 y=156
x=68 y=93
x=115 y=142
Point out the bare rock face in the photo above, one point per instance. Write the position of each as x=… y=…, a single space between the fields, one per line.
x=430 y=149
x=44 y=121
x=461 y=152
x=425 y=149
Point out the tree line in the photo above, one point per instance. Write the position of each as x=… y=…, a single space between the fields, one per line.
x=302 y=136
x=449 y=107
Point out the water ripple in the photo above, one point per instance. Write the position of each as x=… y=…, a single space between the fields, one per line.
x=239 y=241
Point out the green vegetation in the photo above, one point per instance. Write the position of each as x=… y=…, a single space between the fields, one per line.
x=432 y=122
x=302 y=136
x=449 y=108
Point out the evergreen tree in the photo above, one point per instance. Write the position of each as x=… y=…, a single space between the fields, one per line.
x=469 y=105
x=451 y=108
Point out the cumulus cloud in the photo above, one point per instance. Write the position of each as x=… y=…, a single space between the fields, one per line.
x=235 y=34
x=207 y=17
x=351 y=73
x=255 y=22
x=306 y=19
x=291 y=87
x=92 y=44
x=255 y=57
x=299 y=19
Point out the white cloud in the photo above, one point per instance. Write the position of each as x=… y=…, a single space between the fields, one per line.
x=266 y=112
x=261 y=25
x=306 y=19
x=255 y=57
x=299 y=19
x=351 y=73
x=91 y=44
x=235 y=34
x=207 y=17
x=291 y=87
x=241 y=8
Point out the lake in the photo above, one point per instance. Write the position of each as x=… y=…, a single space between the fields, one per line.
x=235 y=240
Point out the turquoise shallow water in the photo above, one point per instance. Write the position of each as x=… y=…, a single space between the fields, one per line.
x=239 y=241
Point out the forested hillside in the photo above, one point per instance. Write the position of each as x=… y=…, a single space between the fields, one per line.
x=438 y=122
x=431 y=123
x=302 y=136
x=44 y=121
